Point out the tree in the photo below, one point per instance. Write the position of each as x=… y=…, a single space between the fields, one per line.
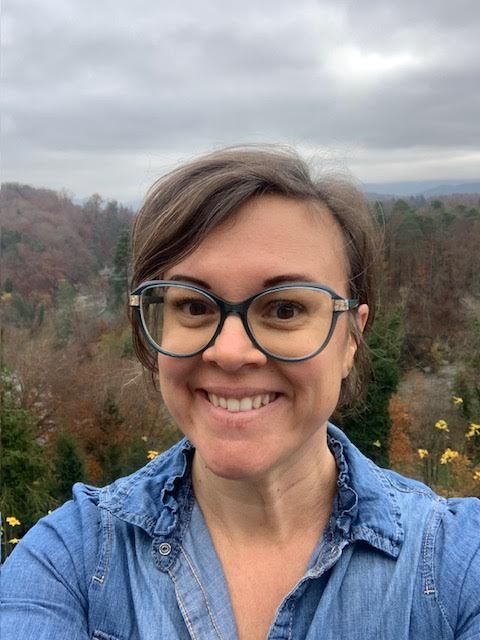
x=68 y=467
x=64 y=303
x=25 y=472
x=120 y=275
x=369 y=428
x=111 y=453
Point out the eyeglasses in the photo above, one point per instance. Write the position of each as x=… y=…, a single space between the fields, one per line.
x=288 y=322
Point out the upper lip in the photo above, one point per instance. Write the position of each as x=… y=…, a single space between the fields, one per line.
x=238 y=392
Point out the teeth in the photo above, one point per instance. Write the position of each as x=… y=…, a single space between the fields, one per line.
x=257 y=402
x=233 y=404
x=244 y=404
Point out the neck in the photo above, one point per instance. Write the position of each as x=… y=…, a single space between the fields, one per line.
x=276 y=506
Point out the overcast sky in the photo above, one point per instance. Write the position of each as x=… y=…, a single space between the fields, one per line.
x=105 y=95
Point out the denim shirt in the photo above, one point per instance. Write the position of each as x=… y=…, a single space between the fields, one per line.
x=135 y=560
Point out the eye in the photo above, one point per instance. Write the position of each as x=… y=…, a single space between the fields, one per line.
x=193 y=307
x=284 y=310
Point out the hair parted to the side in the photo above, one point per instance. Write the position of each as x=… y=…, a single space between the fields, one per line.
x=185 y=205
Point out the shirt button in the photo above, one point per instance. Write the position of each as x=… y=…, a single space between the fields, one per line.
x=165 y=549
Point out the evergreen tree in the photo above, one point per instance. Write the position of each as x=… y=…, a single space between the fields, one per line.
x=121 y=264
x=111 y=455
x=64 y=308
x=68 y=467
x=25 y=472
x=379 y=213
x=369 y=428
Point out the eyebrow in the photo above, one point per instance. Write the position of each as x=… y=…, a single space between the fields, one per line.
x=181 y=278
x=270 y=282
x=286 y=277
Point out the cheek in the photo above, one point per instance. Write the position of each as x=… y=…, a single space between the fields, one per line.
x=173 y=376
x=318 y=381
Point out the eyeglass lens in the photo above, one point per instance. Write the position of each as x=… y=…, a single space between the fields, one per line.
x=289 y=323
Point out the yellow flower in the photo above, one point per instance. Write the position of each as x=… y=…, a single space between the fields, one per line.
x=14 y=540
x=476 y=475
x=457 y=400
x=12 y=521
x=152 y=454
x=377 y=443
x=448 y=455
x=473 y=430
x=442 y=425
x=144 y=438
x=422 y=453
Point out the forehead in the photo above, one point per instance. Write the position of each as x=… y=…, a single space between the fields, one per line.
x=267 y=237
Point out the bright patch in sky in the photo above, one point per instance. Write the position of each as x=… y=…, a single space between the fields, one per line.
x=354 y=65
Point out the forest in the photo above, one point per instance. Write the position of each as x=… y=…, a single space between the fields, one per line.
x=76 y=406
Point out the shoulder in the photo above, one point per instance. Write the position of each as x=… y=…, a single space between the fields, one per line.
x=61 y=545
x=450 y=551
x=448 y=532
x=45 y=580
x=71 y=536
x=449 y=521
x=454 y=546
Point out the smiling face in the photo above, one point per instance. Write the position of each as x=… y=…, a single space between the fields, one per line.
x=250 y=417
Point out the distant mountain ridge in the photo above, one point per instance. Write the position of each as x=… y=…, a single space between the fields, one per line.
x=426 y=188
x=374 y=190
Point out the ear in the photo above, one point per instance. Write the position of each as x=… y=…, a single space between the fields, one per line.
x=360 y=320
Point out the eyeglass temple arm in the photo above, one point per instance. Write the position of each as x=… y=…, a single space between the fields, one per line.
x=134 y=300
x=345 y=305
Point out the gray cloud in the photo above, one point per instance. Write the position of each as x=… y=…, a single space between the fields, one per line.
x=99 y=96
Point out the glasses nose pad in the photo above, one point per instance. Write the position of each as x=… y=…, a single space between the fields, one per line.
x=240 y=312
x=232 y=310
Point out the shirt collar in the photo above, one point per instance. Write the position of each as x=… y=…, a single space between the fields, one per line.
x=151 y=497
x=365 y=508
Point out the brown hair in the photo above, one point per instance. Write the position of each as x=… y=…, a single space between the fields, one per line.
x=185 y=205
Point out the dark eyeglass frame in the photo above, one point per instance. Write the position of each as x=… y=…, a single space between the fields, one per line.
x=340 y=305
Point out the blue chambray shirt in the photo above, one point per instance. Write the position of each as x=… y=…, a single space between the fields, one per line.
x=135 y=560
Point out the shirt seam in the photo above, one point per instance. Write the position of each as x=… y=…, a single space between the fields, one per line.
x=430 y=586
x=407 y=489
x=182 y=607
x=104 y=553
x=197 y=578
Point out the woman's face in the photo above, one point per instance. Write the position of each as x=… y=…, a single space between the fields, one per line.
x=270 y=237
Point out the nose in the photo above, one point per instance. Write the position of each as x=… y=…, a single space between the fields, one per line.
x=232 y=348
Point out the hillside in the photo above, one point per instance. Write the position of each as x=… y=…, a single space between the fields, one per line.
x=47 y=238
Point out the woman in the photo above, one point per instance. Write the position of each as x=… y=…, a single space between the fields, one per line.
x=252 y=286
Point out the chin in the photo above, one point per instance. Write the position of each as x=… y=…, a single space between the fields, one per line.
x=235 y=465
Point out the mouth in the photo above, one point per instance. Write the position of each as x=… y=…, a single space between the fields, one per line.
x=247 y=403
